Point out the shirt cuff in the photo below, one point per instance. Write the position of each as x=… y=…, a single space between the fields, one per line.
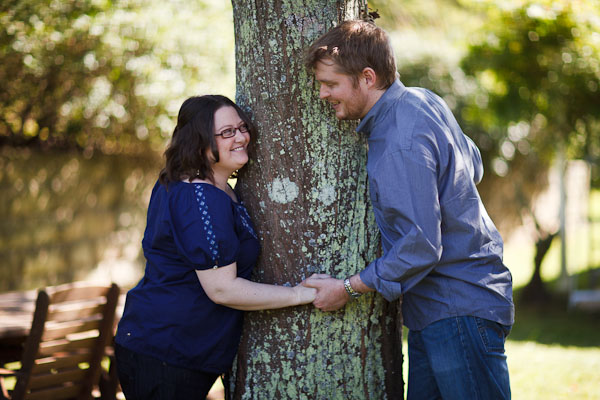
x=368 y=276
x=390 y=290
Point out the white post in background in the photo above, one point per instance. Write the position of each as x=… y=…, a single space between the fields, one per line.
x=563 y=281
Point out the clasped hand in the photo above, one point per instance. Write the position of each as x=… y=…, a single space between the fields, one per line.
x=331 y=294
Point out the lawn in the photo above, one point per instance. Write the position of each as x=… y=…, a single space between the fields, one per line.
x=553 y=371
x=554 y=353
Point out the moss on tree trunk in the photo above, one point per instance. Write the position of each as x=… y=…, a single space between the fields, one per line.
x=306 y=190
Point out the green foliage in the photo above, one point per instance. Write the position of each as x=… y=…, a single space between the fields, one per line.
x=62 y=85
x=538 y=62
x=106 y=75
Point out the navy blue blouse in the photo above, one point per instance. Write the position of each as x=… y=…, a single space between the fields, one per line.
x=190 y=226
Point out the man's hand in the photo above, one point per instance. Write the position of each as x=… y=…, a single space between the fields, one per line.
x=331 y=294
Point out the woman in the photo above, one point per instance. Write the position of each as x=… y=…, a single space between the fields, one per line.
x=182 y=322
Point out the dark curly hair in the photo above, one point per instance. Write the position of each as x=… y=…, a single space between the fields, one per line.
x=186 y=155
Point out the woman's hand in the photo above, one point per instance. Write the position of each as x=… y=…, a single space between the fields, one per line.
x=305 y=295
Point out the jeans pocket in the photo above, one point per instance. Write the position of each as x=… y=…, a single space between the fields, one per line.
x=493 y=335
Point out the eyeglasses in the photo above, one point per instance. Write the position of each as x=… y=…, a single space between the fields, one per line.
x=230 y=132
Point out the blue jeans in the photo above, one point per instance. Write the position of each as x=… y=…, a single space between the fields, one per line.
x=458 y=358
x=146 y=378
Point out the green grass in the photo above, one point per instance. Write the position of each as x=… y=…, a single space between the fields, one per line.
x=554 y=353
x=542 y=371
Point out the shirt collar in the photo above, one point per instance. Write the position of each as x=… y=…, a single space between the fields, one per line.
x=378 y=110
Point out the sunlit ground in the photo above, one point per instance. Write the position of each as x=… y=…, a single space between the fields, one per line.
x=540 y=371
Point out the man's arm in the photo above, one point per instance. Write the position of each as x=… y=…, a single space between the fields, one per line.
x=409 y=202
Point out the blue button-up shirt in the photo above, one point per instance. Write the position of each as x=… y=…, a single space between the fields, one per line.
x=441 y=250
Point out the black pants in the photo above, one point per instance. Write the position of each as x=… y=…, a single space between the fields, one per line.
x=146 y=378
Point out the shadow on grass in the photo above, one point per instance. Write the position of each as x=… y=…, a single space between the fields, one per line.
x=553 y=323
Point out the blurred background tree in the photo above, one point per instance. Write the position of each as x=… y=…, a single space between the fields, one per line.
x=107 y=75
x=522 y=77
x=538 y=63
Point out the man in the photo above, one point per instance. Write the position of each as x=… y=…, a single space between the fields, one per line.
x=441 y=251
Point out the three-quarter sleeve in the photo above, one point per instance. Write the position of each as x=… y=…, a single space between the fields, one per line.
x=203 y=227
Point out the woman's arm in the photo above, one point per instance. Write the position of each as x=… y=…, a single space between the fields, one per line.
x=223 y=286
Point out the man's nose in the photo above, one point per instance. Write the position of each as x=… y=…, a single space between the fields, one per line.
x=323 y=92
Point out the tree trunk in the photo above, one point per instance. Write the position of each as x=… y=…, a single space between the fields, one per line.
x=306 y=190
x=535 y=291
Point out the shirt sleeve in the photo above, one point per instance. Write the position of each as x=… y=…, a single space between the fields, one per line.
x=406 y=196
x=476 y=162
x=204 y=227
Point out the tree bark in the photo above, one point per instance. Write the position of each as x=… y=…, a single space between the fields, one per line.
x=306 y=190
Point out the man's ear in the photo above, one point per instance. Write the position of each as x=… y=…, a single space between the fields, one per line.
x=370 y=77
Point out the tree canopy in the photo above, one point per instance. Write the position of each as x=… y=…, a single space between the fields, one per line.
x=539 y=64
x=107 y=75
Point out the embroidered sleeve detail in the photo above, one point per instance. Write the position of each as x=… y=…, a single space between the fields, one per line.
x=213 y=246
x=246 y=221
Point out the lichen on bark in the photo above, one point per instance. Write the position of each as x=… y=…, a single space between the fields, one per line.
x=306 y=190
